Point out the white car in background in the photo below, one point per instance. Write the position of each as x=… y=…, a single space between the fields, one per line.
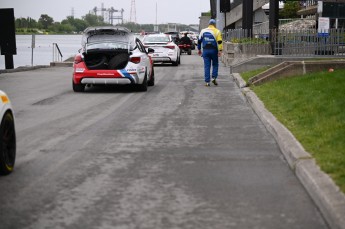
x=166 y=51
x=7 y=135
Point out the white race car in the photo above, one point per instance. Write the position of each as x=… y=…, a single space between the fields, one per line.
x=112 y=55
x=7 y=136
x=166 y=51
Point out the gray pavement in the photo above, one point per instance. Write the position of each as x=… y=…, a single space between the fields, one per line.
x=325 y=193
x=180 y=155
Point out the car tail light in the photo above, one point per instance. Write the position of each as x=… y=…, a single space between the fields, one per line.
x=78 y=59
x=170 y=46
x=135 y=60
x=184 y=45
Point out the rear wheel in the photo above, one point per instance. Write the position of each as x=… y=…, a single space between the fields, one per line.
x=151 y=82
x=7 y=144
x=143 y=86
x=78 y=87
x=177 y=62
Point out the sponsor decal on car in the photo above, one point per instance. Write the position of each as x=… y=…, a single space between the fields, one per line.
x=105 y=74
x=133 y=78
x=142 y=69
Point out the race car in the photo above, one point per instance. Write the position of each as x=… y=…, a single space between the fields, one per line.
x=7 y=135
x=112 y=55
x=166 y=50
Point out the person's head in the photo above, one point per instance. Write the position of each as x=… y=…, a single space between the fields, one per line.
x=185 y=34
x=212 y=22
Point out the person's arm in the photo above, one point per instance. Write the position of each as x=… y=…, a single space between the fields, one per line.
x=219 y=43
x=200 y=39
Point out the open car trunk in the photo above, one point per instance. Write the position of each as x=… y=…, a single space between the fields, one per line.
x=106 y=48
x=104 y=59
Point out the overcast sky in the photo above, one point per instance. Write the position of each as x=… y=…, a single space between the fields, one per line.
x=168 y=11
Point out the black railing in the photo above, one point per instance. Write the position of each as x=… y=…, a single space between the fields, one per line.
x=57 y=55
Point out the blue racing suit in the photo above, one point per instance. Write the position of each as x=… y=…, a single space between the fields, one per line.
x=210 y=40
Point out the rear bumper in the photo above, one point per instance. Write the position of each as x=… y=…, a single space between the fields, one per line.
x=106 y=81
x=161 y=59
x=85 y=76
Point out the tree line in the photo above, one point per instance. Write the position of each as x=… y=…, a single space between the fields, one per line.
x=46 y=24
x=71 y=25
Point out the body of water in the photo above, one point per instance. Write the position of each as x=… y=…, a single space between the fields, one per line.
x=43 y=52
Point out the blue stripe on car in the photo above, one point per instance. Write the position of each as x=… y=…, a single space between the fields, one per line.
x=127 y=75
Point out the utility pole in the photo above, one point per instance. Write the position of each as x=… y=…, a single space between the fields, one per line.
x=156 y=26
x=102 y=9
x=220 y=17
x=247 y=17
x=111 y=12
x=133 y=17
x=273 y=24
x=72 y=12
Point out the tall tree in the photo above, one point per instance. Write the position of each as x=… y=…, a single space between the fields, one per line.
x=45 y=21
x=26 y=23
x=93 y=20
x=290 y=10
x=78 y=24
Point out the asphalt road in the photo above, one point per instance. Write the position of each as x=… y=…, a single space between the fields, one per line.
x=180 y=155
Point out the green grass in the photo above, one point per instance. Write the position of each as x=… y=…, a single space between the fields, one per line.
x=312 y=107
x=247 y=75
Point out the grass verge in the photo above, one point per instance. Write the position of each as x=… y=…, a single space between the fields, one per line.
x=247 y=75
x=312 y=107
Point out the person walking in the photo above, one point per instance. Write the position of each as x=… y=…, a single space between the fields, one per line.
x=210 y=40
x=185 y=39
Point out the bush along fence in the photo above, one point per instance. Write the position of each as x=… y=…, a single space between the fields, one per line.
x=240 y=43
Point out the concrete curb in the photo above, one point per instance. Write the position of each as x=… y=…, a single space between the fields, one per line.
x=22 y=69
x=61 y=64
x=322 y=189
x=29 y=68
x=239 y=81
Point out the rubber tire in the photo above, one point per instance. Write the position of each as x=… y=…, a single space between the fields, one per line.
x=189 y=52
x=143 y=86
x=151 y=82
x=7 y=144
x=119 y=61
x=99 y=65
x=78 y=87
x=175 y=63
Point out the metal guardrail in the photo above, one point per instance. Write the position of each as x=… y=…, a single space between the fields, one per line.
x=57 y=55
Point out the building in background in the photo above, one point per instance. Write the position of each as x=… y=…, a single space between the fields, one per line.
x=310 y=9
x=332 y=9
